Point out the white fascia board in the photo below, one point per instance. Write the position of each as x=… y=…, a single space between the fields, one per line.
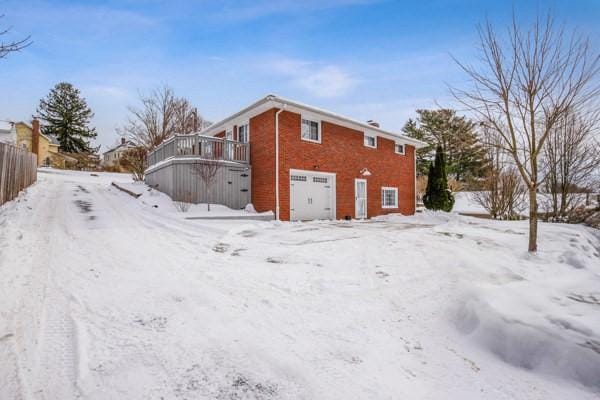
x=274 y=101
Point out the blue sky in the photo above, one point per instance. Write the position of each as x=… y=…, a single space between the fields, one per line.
x=367 y=59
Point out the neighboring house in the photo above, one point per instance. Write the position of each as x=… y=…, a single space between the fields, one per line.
x=299 y=161
x=112 y=157
x=45 y=146
x=8 y=132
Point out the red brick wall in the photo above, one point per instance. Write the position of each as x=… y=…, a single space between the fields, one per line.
x=262 y=159
x=341 y=151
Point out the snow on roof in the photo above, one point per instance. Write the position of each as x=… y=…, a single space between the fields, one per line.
x=127 y=144
x=5 y=126
x=284 y=101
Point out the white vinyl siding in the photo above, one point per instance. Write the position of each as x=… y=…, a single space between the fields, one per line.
x=311 y=130
x=389 y=197
x=399 y=148
x=370 y=141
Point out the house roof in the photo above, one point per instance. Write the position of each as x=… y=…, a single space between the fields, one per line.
x=50 y=138
x=277 y=101
x=6 y=127
x=127 y=144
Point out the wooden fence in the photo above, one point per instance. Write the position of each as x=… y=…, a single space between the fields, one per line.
x=18 y=169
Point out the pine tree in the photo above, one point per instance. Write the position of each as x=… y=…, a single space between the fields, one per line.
x=437 y=195
x=464 y=153
x=67 y=116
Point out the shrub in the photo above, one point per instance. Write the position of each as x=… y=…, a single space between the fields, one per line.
x=437 y=195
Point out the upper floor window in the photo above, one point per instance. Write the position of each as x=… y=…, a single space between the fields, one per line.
x=399 y=148
x=311 y=130
x=389 y=197
x=370 y=140
x=243 y=133
x=229 y=134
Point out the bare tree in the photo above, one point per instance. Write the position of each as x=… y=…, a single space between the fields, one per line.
x=571 y=162
x=207 y=170
x=160 y=116
x=12 y=46
x=525 y=85
x=503 y=194
x=134 y=159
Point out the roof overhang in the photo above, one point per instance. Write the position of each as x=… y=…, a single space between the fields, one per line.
x=274 y=101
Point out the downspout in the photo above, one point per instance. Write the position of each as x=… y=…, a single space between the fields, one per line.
x=277 y=160
x=415 y=176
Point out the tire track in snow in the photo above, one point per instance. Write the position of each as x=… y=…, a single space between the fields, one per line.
x=56 y=369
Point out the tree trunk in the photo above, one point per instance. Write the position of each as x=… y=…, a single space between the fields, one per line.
x=533 y=219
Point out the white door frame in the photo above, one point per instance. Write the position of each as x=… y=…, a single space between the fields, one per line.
x=356 y=180
x=333 y=187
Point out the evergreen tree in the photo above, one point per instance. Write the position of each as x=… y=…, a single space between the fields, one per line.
x=437 y=195
x=67 y=116
x=456 y=135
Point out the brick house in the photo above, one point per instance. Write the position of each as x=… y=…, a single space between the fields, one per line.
x=307 y=163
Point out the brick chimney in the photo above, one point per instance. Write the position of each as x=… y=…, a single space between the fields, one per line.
x=35 y=136
x=373 y=123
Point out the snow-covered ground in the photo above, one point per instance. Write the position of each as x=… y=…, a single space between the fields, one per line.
x=102 y=297
x=150 y=197
x=465 y=203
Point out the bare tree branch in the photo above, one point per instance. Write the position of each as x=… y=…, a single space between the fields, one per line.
x=160 y=116
x=527 y=82
x=12 y=46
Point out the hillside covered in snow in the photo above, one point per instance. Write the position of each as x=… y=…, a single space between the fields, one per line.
x=105 y=296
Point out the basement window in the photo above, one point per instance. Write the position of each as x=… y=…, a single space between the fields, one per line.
x=370 y=141
x=399 y=148
x=389 y=197
x=311 y=130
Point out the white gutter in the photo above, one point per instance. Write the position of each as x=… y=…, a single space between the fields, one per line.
x=277 y=160
x=335 y=117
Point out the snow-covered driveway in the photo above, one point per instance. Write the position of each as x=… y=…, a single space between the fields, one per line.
x=106 y=297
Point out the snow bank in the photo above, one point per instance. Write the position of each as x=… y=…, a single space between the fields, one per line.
x=465 y=203
x=162 y=203
x=122 y=299
x=541 y=313
x=556 y=346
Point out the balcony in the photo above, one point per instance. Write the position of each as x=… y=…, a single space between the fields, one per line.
x=200 y=147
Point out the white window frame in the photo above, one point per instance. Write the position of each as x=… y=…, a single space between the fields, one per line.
x=247 y=125
x=229 y=133
x=370 y=135
x=389 y=188
x=403 y=148
x=311 y=119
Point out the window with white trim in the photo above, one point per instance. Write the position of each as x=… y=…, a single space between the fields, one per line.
x=311 y=130
x=399 y=148
x=389 y=197
x=370 y=140
x=229 y=134
x=244 y=133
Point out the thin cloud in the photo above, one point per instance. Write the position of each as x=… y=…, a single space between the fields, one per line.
x=252 y=9
x=315 y=79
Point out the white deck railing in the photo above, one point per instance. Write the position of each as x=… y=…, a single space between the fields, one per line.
x=207 y=147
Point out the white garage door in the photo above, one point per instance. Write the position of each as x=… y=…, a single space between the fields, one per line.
x=312 y=195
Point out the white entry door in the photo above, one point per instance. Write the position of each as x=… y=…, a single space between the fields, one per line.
x=360 y=195
x=312 y=195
